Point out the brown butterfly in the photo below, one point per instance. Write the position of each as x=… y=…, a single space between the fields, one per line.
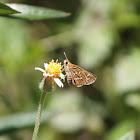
x=77 y=75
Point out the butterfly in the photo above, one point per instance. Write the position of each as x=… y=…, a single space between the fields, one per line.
x=77 y=75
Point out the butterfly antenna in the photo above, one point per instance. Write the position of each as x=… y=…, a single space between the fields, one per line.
x=60 y=59
x=65 y=55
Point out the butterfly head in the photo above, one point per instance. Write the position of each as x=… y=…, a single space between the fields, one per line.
x=66 y=62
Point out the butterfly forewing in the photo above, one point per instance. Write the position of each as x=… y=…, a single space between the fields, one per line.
x=78 y=77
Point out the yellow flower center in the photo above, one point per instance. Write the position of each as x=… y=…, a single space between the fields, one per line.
x=54 y=68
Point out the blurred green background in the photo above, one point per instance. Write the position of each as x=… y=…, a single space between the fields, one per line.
x=102 y=37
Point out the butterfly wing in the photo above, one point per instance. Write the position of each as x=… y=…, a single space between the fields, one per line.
x=78 y=77
x=90 y=78
x=81 y=77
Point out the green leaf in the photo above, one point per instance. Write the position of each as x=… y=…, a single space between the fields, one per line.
x=4 y=9
x=122 y=128
x=23 y=120
x=128 y=136
x=34 y=12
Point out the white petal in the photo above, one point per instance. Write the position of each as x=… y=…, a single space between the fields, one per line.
x=40 y=69
x=58 y=82
x=62 y=76
x=46 y=66
x=46 y=74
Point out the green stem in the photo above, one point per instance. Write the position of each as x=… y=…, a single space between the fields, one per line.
x=40 y=108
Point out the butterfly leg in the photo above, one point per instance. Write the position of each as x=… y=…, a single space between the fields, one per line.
x=65 y=77
x=63 y=68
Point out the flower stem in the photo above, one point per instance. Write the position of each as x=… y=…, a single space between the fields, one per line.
x=40 y=108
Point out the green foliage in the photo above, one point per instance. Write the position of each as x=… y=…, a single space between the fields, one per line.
x=36 y=13
x=9 y=123
x=121 y=128
x=101 y=36
x=128 y=136
x=5 y=10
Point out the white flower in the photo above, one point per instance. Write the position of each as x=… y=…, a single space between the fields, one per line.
x=52 y=72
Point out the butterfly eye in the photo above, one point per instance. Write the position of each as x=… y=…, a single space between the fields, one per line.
x=66 y=62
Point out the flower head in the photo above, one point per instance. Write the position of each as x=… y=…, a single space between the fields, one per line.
x=51 y=74
x=54 y=68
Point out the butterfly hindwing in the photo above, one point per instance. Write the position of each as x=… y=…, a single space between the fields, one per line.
x=90 y=78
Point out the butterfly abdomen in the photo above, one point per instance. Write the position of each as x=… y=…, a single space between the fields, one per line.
x=69 y=79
